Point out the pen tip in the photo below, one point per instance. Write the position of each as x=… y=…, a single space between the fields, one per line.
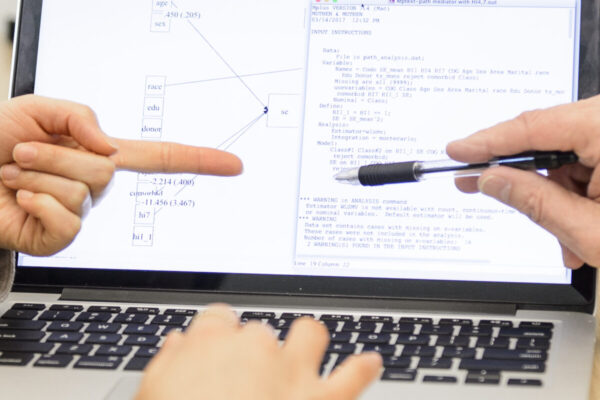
x=347 y=175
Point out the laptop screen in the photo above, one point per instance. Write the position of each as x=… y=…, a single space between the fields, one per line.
x=300 y=90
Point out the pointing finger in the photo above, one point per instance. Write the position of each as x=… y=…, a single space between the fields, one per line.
x=174 y=158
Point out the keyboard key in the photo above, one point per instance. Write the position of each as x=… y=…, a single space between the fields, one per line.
x=458 y=352
x=103 y=309
x=146 y=351
x=66 y=307
x=337 y=317
x=495 y=342
x=20 y=314
x=441 y=363
x=19 y=324
x=142 y=310
x=53 y=360
x=137 y=364
x=15 y=359
x=396 y=362
x=496 y=322
x=525 y=333
x=417 y=320
x=296 y=315
x=28 y=306
x=399 y=374
x=344 y=348
x=98 y=327
x=439 y=379
x=19 y=346
x=524 y=382
x=330 y=325
x=436 y=330
x=181 y=311
x=34 y=336
x=340 y=337
x=524 y=354
x=98 y=362
x=258 y=315
x=141 y=329
x=460 y=341
x=65 y=337
x=533 y=343
x=170 y=328
x=64 y=326
x=376 y=338
x=94 y=317
x=482 y=379
x=79 y=349
x=418 y=351
x=503 y=365
x=131 y=318
x=167 y=319
x=383 y=349
x=280 y=323
x=283 y=334
x=135 y=340
x=413 y=339
x=536 y=324
x=456 y=321
x=101 y=338
x=56 y=316
x=376 y=318
x=106 y=350
x=475 y=331
x=359 y=327
x=389 y=327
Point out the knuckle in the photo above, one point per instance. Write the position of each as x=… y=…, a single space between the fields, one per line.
x=80 y=192
x=166 y=155
x=87 y=112
x=105 y=173
x=533 y=206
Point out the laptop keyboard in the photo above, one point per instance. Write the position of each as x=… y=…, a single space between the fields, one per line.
x=413 y=348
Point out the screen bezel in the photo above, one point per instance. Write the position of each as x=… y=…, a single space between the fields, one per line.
x=578 y=295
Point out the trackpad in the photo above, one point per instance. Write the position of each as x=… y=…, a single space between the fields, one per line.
x=125 y=389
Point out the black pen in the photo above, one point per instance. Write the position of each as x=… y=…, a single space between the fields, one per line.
x=414 y=171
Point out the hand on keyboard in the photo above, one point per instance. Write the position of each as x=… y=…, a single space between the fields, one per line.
x=219 y=359
x=55 y=161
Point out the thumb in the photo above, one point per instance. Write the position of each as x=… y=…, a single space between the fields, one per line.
x=573 y=219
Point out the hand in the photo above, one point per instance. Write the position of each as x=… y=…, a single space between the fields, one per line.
x=55 y=161
x=218 y=359
x=566 y=203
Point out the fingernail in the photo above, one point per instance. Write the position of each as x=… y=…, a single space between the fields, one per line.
x=495 y=186
x=9 y=172
x=25 y=152
x=24 y=194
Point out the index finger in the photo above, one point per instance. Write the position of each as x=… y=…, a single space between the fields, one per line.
x=135 y=155
x=568 y=127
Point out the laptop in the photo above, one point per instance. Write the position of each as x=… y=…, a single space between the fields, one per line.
x=463 y=297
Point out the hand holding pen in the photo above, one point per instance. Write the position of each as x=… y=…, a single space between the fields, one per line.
x=414 y=171
x=566 y=202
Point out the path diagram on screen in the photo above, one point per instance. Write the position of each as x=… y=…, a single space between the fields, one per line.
x=153 y=194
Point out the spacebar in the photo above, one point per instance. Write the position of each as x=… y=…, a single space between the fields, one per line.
x=25 y=347
x=503 y=365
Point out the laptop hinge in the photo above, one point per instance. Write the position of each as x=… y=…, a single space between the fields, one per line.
x=262 y=300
